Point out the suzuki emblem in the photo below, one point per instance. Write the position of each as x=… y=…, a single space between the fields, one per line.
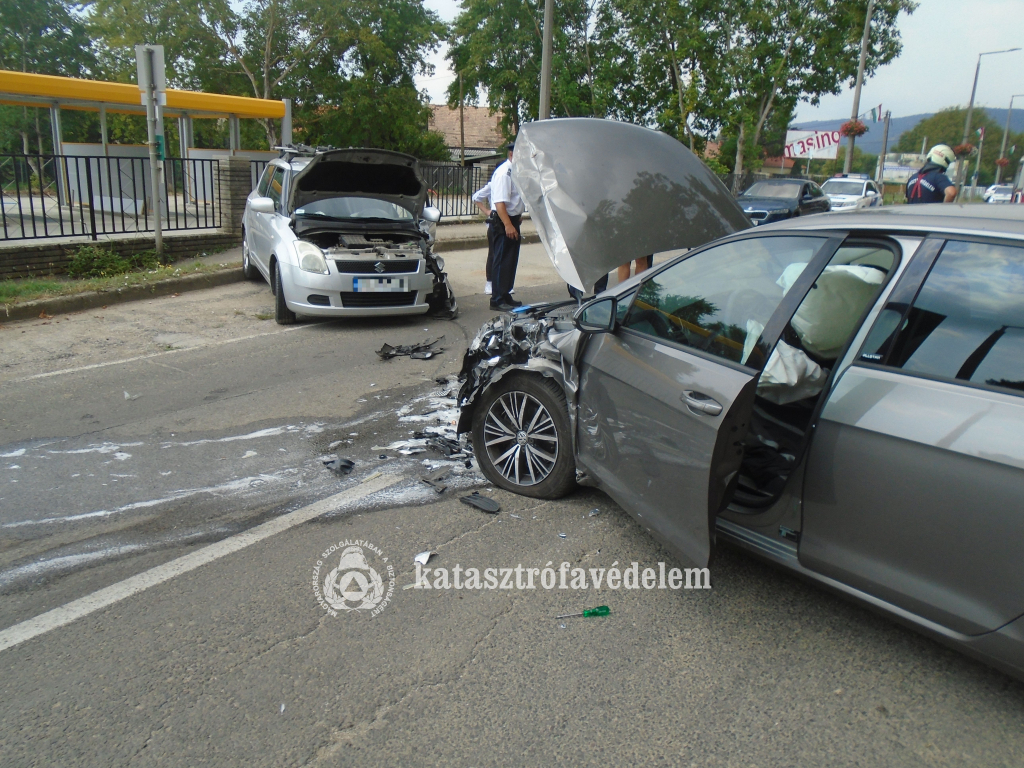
x=378 y=267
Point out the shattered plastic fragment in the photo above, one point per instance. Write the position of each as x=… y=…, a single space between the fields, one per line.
x=561 y=535
x=434 y=480
x=594 y=512
x=341 y=466
x=423 y=557
x=424 y=350
x=483 y=503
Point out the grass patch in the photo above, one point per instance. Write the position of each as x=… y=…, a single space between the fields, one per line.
x=264 y=315
x=20 y=290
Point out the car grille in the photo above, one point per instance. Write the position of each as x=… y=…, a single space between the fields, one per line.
x=372 y=299
x=757 y=215
x=387 y=267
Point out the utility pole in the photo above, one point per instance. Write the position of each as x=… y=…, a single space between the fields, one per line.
x=545 y=60
x=150 y=62
x=885 y=146
x=1006 y=132
x=848 y=164
x=970 y=112
x=462 y=126
x=977 y=165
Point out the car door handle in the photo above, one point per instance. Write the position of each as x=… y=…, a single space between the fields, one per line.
x=698 y=402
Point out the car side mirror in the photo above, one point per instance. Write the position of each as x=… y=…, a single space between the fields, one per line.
x=872 y=193
x=431 y=214
x=261 y=205
x=598 y=316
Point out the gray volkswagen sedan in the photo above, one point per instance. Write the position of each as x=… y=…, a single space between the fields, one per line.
x=841 y=394
x=343 y=232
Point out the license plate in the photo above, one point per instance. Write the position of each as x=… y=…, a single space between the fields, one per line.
x=379 y=285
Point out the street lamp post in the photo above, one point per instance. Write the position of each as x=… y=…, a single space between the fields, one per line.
x=865 y=39
x=970 y=109
x=1006 y=132
x=545 y=60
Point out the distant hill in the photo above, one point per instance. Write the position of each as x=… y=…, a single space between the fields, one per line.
x=871 y=142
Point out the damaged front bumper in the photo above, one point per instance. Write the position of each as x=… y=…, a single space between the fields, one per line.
x=542 y=339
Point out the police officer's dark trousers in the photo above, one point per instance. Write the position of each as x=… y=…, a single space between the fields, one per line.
x=493 y=233
x=506 y=260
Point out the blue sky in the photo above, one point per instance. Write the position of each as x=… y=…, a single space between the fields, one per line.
x=941 y=43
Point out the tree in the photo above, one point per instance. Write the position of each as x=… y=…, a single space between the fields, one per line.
x=46 y=37
x=496 y=45
x=947 y=127
x=310 y=51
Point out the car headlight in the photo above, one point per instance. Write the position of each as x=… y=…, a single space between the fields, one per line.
x=310 y=258
x=778 y=212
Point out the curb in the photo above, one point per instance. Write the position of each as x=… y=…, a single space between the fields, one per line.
x=62 y=305
x=466 y=243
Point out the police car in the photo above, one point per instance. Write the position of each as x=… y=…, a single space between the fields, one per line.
x=851 y=191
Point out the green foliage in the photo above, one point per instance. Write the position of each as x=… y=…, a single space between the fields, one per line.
x=862 y=163
x=947 y=127
x=93 y=261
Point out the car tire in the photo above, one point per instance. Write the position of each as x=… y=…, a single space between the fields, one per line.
x=534 y=407
x=282 y=314
x=249 y=271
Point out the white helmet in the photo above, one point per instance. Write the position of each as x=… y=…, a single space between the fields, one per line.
x=941 y=154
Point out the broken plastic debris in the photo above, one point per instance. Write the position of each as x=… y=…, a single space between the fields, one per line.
x=423 y=557
x=424 y=350
x=561 y=535
x=341 y=466
x=517 y=517
x=382 y=456
x=434 y=480
x=595 y=511
x=483 y=503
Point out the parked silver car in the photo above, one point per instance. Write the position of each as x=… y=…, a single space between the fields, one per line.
x=842 y=395
x=344 y=232
x=852 y=191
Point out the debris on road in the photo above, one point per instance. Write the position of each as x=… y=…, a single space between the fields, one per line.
x=483 y=503
x=601 y=610
x=561 y=535
x=341 y=466
x=422 y=351
x=434 y=480
x=423 y=557
x=594 y=512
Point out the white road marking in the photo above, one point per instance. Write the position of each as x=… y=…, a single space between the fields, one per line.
x=65 y=614
x=157 y=354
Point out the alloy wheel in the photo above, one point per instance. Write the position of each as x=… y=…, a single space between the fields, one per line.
x=520 y=438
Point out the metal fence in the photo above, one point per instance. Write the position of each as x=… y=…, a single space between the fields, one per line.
x=45 y=196
x=452 y=186
x=256 y=170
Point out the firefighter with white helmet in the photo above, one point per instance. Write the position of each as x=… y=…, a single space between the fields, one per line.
x=930 y=184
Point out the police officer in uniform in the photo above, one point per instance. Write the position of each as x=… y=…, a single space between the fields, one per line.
x=930 y=184
x=507 y=215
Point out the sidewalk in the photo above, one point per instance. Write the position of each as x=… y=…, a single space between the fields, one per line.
x=450 y=237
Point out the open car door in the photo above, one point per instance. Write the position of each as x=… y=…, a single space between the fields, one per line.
x=665 y=399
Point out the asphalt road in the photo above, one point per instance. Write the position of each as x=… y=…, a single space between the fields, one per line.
x=162 y=475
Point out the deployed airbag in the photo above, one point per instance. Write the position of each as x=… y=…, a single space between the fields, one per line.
x=790 y=375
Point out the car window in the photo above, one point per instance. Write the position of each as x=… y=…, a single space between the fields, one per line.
x=261 y=189
x=767 y=189
x=815 y=190
x=843 y=187
x=275 y=188
x=355 y=208
x=719 y=300
x=967 y=322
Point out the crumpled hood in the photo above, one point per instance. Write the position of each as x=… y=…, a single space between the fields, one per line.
x=377 y=173
x=603 y=192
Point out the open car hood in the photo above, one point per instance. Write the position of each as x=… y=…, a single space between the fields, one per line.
x=376 y=173
x=603 y=192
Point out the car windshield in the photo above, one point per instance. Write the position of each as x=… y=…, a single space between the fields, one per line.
x=1002 y=190
x=767 y=189
x=843 y=187
x=354 y=208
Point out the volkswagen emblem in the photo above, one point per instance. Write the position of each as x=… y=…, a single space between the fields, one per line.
x=378 y=267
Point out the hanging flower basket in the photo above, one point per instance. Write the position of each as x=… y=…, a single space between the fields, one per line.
x=1002 y=162
x=853 y=128
x=963 y=150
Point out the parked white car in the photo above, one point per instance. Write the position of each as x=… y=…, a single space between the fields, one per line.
x=345 y=232
x=852 y=191
x=998 y=193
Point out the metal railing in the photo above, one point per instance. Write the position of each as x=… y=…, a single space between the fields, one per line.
x=452 y=186
x=256 y=168
x=44 y=196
